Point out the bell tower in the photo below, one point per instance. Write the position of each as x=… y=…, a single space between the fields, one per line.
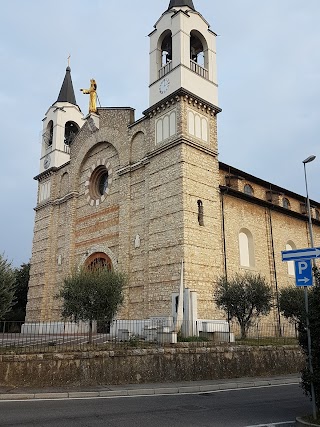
x=183 y=54
x=60 y=125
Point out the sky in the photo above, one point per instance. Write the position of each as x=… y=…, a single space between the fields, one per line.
x=268 y=74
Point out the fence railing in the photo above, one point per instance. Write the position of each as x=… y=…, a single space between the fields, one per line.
x=66 y=148
x=195 y=67
x=19 y=337
x=165 y=69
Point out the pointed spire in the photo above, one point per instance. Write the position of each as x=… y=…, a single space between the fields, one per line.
x=66 y=92
x=179 y=3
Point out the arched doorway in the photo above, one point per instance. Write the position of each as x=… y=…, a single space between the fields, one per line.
x=98 y=260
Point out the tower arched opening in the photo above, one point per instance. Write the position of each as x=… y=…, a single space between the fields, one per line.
x=70 y=131
x=198 y=54
x=49 y=134
x=165 y=51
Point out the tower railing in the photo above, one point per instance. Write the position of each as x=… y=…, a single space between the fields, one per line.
x=198 y=69
x=66 y=148
x=165 y=69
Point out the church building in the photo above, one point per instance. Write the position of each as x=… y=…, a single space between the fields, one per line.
x=143 y=196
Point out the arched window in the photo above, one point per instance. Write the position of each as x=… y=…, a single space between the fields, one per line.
x=198 y=126
x=98 y=260
x=48 y=135
x=198 y=54
x=246 y=248
x=290 y=246
x=70 y=131
x=165 y=48
x=248 y=190
x=285 y=203
x=196 y=49
x=166 y=126
x=64 y=184
x=317 y=214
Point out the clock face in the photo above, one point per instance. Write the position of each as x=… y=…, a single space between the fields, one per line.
x=164 y=86
x=46 y=162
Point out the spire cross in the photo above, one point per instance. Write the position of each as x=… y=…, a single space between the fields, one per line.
x=69 y=60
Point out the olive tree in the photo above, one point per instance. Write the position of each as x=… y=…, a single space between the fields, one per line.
x=89 y=295
x=244 y=298
x=292 y=304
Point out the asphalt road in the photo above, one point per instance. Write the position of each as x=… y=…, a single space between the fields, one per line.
x=230 y=408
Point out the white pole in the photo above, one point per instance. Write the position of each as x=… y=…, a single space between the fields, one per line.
x=179 y=319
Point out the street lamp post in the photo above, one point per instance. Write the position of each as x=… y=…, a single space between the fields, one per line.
x=314 y=409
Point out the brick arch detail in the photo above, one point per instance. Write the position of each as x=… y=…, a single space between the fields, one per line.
x=98 y=257
x=99 y=249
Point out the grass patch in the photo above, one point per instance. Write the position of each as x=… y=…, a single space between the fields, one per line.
x=309 y=419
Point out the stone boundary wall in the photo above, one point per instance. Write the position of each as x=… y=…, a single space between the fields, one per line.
x=150 y=365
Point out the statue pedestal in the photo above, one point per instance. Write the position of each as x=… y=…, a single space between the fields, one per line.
x=93 y=121
x=167 y=337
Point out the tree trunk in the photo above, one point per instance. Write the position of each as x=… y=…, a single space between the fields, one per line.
x=243 y=331
x=90 y=331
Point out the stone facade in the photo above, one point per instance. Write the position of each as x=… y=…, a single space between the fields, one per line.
x=164 y=198
x=154 y=194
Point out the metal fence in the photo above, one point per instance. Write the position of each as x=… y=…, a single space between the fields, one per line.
x=17 y=338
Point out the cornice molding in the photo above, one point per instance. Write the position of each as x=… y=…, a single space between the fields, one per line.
x=72 y=195
x=177 y=96
x=56 y=202
x=164 y=147
x=225 y=190
x=45 y=174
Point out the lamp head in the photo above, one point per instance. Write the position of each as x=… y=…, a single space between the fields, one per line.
x=309 y=159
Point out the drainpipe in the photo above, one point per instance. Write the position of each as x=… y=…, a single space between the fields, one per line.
x=224 y=236
x=225 y=252
x=275 y=272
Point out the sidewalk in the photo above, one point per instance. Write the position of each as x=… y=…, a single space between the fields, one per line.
x=67 y=392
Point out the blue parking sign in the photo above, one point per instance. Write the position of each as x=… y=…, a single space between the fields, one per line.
x=303 y=269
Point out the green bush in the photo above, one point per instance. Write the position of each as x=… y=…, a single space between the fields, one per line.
x=7 y=286
x=314 y=319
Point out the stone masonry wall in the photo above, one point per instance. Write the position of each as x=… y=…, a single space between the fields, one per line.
x=239 y=214
x=183 y=363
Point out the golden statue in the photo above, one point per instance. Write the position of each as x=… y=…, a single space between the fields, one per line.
x=93 y=96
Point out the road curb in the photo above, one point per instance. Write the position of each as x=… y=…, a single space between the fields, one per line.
x=140 y=391
x=302 y=423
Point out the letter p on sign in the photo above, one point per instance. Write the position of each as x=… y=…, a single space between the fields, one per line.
x=303 y=271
